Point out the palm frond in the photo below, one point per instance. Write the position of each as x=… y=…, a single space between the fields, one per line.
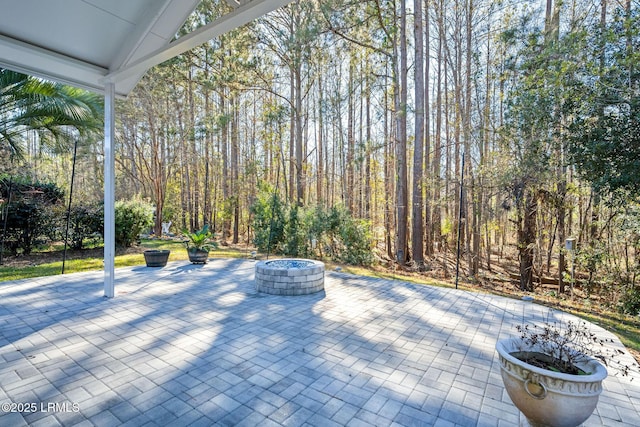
x=55 y=111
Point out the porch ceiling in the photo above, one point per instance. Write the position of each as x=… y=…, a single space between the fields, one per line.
x=88 y=42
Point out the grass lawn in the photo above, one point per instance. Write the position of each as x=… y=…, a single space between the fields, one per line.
x=93 y=259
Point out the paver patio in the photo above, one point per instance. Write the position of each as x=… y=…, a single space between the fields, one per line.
x=197 y=345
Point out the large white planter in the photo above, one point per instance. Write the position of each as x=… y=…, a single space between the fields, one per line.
x=548 y=398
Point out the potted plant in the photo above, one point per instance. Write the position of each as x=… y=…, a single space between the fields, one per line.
x=554 y=375
x=156 y=257
x=199 y=244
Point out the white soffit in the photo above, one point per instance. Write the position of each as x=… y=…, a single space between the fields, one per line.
x=87 y=42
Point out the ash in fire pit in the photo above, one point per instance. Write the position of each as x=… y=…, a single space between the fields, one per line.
x=290 y=276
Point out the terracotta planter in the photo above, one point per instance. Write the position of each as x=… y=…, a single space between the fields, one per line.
x=156 y=258
x=198 y=256
x=548 y=398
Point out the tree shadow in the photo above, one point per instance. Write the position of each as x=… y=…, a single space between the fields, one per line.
x=198 y=343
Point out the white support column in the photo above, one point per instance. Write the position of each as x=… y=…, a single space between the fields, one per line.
x=109 y=190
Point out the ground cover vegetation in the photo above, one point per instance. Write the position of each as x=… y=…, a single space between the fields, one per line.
x=377 y=133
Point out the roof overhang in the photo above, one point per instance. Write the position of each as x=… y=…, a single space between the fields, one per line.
x=87 y=43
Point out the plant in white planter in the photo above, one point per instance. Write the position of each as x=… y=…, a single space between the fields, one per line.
x=554 y=375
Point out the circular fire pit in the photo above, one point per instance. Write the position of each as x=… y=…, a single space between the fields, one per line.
x=290 y=276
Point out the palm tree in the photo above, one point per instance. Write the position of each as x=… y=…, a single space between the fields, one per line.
x=55 y=111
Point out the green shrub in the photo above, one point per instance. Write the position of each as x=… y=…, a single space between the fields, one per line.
x=132 y=218
x=292 y=230
x=268 y=221
x=630 y=301
x=351 y=237
x=31 y=216
x=356 y=237
x=296 y=232
x=24 y=224
x=590 y=259
x=85 y=222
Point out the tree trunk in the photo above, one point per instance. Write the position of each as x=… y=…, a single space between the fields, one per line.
x=368 y=143
x=388 y=185
x=320 y=144
x=527 y=238
x=226 y=179
x=235 y=190
x=350 y=180
x=418 y=150
x=427 y=183
x=207 y=158
x=474 y=249
x=437 y=151
x=193 y=153
x=299 y=153
x=401 y=143
x=292 y=140
x=561 y=213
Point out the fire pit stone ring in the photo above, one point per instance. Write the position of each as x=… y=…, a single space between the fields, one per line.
x=289 y=276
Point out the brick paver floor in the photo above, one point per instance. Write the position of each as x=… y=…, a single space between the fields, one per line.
x=197 y=345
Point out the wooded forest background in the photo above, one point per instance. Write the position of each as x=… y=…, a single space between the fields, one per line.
x=386 y=108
